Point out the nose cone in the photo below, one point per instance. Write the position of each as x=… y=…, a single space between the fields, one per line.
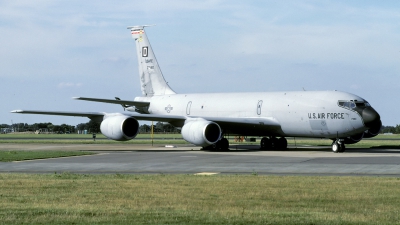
x=371 y=117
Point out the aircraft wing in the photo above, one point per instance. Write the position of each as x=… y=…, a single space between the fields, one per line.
x=115 y=101
x=60 y=113
x=239 y=125
x=98 y=116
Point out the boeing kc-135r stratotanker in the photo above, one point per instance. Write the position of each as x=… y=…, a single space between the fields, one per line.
x=205 y=119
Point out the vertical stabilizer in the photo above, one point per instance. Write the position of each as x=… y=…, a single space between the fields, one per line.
x=151 y=79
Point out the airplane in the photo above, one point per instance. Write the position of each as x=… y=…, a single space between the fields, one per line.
x=206 y=119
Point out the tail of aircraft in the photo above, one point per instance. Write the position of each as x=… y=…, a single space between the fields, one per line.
x=151 y=78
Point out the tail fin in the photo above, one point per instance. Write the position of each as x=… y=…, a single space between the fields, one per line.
x=151 y=79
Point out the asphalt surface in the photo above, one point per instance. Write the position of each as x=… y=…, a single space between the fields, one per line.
x=147 y=159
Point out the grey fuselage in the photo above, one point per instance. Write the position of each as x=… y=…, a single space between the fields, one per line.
x=299 y=114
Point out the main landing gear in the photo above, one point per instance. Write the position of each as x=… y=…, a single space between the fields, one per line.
x=273 y=143
x=338 y=146
x=221 y=145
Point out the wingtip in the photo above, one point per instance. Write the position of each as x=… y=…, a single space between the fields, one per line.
x=16 y=111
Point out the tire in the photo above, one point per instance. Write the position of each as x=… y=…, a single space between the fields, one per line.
x=224 y=144
x=265 y=143
x=274 y=143
x=282 y=143
x=336 y=148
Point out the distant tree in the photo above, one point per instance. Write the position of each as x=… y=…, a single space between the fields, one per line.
x=397 y=129
x=93 y=127
x=50 y=127
x=144 y=128
x=388 y=129
x=159 y=127
x=57 y=129
x=81 y=126
x=169 y=128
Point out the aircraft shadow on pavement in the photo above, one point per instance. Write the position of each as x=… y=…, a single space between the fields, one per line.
x=253 y=148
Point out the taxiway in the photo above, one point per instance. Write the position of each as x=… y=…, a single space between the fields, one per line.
x=147 y=159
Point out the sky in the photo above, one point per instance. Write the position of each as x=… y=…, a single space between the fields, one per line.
x=52 y=51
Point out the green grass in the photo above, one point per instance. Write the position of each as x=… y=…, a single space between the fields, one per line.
x=9 y=156
x=189 y=199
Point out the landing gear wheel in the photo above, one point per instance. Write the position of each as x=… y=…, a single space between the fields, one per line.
x=338 y=146
x=265 y=143
x=335 y=147
x=342 y=147
x=274 y=143
x=223 y=144
x=282 y=143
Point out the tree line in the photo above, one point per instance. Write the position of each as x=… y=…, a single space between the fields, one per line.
x=391 y=129
x=89 y=127
x=94 y=127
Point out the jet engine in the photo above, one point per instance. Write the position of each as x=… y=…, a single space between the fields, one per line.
x=354 y=139
x=120 y=127
x=201 y=132
x=373 y=130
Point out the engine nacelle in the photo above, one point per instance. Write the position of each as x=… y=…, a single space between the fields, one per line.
x=354 y=139
x=120 y=127
x=201 y=132
x=374 y=130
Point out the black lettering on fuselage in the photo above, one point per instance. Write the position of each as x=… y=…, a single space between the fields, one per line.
x=332 y=116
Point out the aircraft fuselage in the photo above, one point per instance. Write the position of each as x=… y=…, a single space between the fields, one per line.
x=300 y=114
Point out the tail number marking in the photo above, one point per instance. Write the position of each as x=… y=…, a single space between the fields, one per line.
x=145 y=51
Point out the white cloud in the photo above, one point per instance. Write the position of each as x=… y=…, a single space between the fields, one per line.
x=218 y=44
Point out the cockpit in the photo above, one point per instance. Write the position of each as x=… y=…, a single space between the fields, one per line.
x=353 y=104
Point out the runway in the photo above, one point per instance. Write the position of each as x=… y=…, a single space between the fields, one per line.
x=145 y=159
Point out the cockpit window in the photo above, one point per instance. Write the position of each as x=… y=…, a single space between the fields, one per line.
x=352 y=104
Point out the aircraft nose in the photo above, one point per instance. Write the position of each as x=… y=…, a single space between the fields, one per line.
x=370 y=117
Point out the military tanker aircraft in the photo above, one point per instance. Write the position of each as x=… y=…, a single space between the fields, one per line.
x=206 y=119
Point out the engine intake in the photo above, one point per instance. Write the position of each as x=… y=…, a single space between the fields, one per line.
x=201 y=132
x=120 y=127
x=373 y=130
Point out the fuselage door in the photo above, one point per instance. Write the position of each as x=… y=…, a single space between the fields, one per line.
x=188 y=108
x=259 y=105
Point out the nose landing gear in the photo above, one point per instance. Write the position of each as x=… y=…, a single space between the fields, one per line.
x=338 y=146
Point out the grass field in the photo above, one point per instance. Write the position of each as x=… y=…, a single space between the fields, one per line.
x=9 y=156
x=190 y=199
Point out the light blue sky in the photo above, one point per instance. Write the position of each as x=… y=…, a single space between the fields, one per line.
x=54 y=50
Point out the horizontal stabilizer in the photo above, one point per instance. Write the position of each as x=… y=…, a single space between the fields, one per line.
x=114 y=101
